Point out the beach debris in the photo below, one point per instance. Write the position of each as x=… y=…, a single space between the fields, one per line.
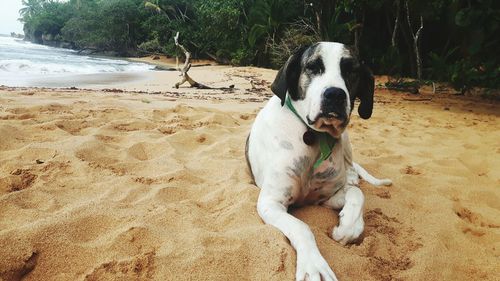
x=114 y=90
x=39 y=161
x=187 y=65
x=417 y=99
x=164 y=68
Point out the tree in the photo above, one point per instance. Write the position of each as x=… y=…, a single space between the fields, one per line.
x=30 y=9
x=415 y=36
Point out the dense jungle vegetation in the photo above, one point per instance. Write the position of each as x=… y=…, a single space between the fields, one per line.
x=443 y=40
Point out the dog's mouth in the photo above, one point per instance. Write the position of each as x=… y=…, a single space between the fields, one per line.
x=331 y=123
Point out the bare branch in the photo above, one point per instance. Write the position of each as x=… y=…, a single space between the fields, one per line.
x=417 y=35
x=396 y=23
x=408 y=19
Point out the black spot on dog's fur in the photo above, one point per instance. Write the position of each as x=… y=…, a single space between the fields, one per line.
x=301 y=164
x=315 y=66
x=287 y=195
x=286 y=145
x=327 y=174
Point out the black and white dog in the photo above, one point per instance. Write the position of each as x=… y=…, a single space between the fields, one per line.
x=299 y=152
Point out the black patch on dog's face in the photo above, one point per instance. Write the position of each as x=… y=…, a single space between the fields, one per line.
x=314 y=66
x=288 y=76
x=360 y=84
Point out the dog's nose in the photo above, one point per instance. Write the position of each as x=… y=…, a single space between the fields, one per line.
x=335 y=95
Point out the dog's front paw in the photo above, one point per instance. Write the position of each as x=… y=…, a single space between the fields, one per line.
x=312 y=266
x=348 y=232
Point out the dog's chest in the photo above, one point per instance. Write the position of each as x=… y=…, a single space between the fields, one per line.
x=324 y=181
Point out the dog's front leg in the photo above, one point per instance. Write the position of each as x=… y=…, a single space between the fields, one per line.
x=310 y=264
x=351 y=223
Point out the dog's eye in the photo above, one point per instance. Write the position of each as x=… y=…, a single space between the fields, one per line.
x=315 y=66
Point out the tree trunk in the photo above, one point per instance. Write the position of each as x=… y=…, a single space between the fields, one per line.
x=357 y=36
x=417 y=50
x=416 y=37
x=324 y=11
x=396 y=23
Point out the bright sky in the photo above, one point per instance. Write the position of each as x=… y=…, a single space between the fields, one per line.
x=9 y=13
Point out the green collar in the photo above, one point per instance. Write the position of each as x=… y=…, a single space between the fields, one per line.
x=326 y=142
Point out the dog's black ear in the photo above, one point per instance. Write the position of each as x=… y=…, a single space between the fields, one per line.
x=360 y=83
x=280 y=86
x=287 y=78
x=365 y=91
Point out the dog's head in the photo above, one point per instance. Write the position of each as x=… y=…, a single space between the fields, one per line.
x=323 y=81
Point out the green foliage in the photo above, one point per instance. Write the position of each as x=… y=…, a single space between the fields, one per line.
x=242 y=56
x=152 y=46
x=390 y=62
x=465 y=74
x=44 y=18
x=440 y=67
x=459 y=42
x=223 y=28
x=340 y=23
x=267 y=17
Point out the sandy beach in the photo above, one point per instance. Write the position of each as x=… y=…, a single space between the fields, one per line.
x=141 y=181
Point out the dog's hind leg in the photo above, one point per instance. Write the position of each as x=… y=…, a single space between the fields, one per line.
x=337 y=201
x=369 y=178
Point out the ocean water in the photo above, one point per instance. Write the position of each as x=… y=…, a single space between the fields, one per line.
x=25 y=64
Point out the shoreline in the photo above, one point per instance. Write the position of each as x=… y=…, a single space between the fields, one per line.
x=169 y=62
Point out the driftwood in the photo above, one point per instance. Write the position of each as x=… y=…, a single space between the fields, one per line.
x=417 y=99
x=185 y=68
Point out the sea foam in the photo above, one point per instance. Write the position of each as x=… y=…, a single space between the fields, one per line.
x=19 y=57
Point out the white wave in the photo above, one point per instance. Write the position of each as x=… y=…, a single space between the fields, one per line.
x=20 y=43
x=20 y=57
x=23 y=66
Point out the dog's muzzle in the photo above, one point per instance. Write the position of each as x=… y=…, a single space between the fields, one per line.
x=333 y=117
